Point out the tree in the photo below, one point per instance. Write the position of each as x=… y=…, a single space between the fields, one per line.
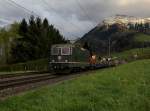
x=147 y=27
x=141 y=27
x=122 y=41
x=45 y=23
x=6 y=38
x=35 y=40
x=131 y=26
x=87 y=46
x=136 y=26
x=23 y=28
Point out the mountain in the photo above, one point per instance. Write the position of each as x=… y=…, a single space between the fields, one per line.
x=124 y=19
x=116 y=33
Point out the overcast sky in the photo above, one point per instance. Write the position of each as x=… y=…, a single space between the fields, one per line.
x=73 y=18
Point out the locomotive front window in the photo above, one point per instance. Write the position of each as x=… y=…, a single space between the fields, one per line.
x=66 y=51
x=55 y=51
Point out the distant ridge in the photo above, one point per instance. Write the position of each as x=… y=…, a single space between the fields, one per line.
x=123 y=19
x=117 y=32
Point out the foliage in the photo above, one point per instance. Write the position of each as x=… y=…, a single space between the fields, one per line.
x=37 y=65
x=116 y=37
x=6 y=37
x=142 y=37
x=36 y=38
x=140 y=27
x=121 y=41
x=100 y=40
x=87 y=47
x=123 y=88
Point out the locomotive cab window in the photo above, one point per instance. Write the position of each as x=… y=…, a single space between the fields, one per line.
x=55 y=51
x=66 y=51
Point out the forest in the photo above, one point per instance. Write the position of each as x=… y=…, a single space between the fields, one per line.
x=29 y=39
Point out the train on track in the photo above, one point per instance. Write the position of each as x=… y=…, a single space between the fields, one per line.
x=66 y=58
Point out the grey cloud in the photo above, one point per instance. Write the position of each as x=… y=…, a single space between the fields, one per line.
x=75 y=17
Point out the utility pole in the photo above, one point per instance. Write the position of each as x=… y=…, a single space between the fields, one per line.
x=109 y=46
x=143 y=44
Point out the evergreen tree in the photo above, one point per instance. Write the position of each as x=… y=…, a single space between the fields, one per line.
x=147 y=27
x=136 y=26
x=35 y=40
x=141 y=27
x=23 y=29
x=45 y=23
x=131 y=26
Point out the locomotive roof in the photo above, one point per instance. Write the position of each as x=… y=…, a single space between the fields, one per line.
x=63 y=45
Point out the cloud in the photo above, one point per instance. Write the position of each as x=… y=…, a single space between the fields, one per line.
x=74 y=17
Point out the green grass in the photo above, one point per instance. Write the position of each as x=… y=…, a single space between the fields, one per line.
x=125 y=88
x=143 y=53
x=142 y=38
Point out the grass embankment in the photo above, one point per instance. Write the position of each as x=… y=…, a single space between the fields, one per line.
x=125 y=88
x=142 y=37
x=142 y=53
x=38 y=65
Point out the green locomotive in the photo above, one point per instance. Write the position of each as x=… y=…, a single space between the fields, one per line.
x=68 y=57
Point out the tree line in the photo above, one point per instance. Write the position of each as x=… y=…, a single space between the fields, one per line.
x=140 y=27
x=34 y=41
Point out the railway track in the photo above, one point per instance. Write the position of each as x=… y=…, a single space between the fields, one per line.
x=3 y=76
x=12 y=85
x=24 y=80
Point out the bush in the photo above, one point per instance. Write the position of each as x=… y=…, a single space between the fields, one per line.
x=38 y=65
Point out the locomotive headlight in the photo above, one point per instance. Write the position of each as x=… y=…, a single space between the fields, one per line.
x=66 y=60
x=59 y=57
x=94 y=57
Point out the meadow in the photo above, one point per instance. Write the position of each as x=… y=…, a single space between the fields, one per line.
x=142 y=53
x=142 y=37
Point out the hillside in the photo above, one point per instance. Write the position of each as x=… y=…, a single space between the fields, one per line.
x=142 y=37
x=116 y=37
x=100 y=38
x=118 y=33
x=124 y=88
x=142 y=53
